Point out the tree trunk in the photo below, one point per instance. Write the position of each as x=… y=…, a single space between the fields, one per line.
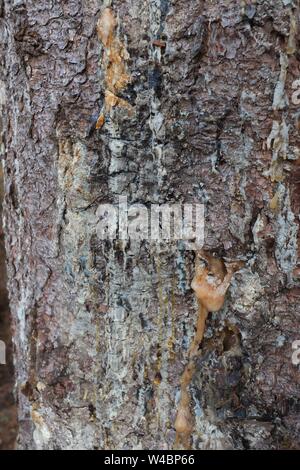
x=8 y=415
x=163 y=102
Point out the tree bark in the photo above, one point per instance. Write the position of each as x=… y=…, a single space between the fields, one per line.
x=162 y=102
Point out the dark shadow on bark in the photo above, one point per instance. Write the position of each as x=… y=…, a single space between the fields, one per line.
x=8 y=411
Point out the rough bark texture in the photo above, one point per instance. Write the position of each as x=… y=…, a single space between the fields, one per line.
x=8 y=415
x=102 y=330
